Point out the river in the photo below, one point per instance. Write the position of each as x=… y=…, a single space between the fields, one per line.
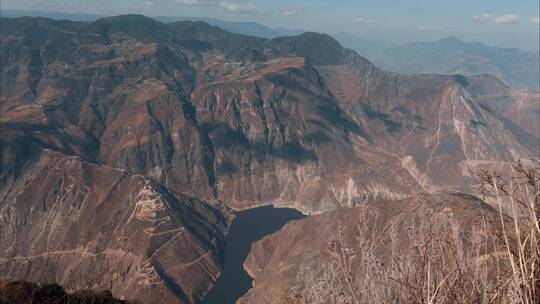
x=249 y=226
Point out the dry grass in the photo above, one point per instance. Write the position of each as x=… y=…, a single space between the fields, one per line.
x=518 y=193
x=441 y=274
x=498 y=263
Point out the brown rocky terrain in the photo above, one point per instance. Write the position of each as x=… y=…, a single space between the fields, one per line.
x=442 y=128
x=295 y=121
x=125 y=141
x=382 y=252
x=87 y=226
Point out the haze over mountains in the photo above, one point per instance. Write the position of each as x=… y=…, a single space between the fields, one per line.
x=15 y=13
x=517 y=68
x=128 y=143
x=240 y=27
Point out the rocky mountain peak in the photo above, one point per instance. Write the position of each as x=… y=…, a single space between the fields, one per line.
x=142 y=28
x=318 y=49
x=450 y=40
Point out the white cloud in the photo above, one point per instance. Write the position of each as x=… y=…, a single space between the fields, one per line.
x=290 y=13
x=242 y=8
x=196 y=2
x=484 y=18
x=429 y=28
x=362 y=20
x=534 y=20
x=149 y=5
x=507 y=19
x=500 y=19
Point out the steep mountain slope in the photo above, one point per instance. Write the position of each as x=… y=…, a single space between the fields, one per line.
x=147 y=95
x=519 y=69
x=381 y=252
x=442 y=128
x=254 y=121
x=138 y=117
x=89 y=226
x=368 y=46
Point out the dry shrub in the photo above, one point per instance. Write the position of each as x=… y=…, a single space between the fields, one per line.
x=498 y=264
x=440 y=273
x=518 y=194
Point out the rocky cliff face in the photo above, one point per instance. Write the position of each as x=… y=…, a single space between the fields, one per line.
x=381 y=252
x=90 y=226
x=199 y=110
x=295 y=121
x=140 y=115
x=442 y=128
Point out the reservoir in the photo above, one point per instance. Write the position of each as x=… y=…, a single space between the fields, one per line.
x=249 y=226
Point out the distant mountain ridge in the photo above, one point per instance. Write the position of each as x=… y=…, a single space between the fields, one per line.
x=14 y=13
x=517 y=68
x=250 y=28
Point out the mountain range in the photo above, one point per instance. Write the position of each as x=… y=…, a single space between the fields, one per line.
x=517 y=68
x=240 y=27
x=128 y=145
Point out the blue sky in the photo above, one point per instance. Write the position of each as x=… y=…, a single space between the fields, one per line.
x=506 y=23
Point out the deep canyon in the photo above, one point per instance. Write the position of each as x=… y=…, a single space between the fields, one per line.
x=127 y=144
